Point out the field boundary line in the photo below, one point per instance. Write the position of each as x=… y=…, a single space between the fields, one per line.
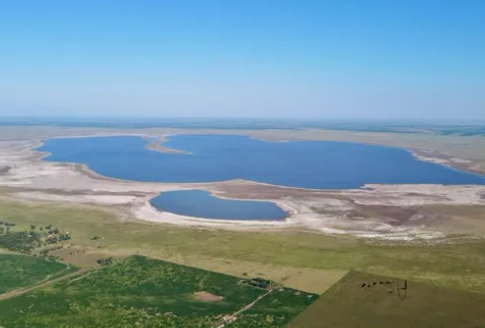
x=82 y=277
x=25 y=290
x=49 y=276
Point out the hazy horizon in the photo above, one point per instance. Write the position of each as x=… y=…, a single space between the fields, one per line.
x=45 y=119
x=312 y=60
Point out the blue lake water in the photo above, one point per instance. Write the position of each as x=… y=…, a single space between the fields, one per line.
x=304 y=164
x=200 y=203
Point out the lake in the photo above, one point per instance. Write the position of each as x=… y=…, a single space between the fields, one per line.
x=302 y=164
x=200 y=203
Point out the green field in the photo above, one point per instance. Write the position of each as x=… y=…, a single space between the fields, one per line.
x=19 y=271
x=348 y=304
x=150 y=293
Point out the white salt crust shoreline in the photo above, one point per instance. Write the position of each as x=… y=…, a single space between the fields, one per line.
x=40 y=178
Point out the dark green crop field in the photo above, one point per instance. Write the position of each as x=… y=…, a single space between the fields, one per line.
x=274 y=310
x=369 y=301
x=18 y=271
x=141 y=292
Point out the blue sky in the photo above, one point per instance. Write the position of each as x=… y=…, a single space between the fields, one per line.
x=372 y=59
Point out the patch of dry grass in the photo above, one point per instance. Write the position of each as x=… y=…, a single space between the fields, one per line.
x=347 y=304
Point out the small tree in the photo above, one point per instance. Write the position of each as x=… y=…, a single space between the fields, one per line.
x=32 y=227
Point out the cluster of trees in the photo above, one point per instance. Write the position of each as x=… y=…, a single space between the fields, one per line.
x=105 y=261
x=54 y=234
x=65 y=236
x=54 y=238
x=260 y=283
x=7 y=224
x=47 y=228
x=5 y=227
x=22 y=241
x=26 y=241
x=44 y=252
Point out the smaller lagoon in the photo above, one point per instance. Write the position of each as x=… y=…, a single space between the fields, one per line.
x=201 y=204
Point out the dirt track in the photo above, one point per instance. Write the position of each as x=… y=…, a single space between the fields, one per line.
x=25 y=290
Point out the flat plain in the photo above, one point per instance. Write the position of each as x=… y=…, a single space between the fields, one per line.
x=448 y=269
x=301 y=260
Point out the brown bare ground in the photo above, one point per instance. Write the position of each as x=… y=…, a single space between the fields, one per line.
x=207 y=297
x=393 y=215
x=458 y=219
x=251 y=190
x=82 y=257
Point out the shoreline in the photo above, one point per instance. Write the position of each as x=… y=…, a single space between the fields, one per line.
x=77 y=183
x=451 y=162
x=291 y=211
x=86 y=170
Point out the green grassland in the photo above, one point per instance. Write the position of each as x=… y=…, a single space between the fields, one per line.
x=149 y=293
x=305 y=261
x=348 y=304
x=18 y=271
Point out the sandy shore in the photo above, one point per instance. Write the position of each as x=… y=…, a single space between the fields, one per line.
x=30 y=178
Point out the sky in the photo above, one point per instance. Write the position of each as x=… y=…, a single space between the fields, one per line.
x=322 y=59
